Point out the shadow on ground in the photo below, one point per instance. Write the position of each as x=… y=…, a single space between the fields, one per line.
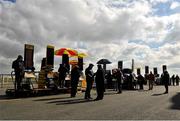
x=5 y=97
x=55 y=98
x=159 y=94
x=70 y=101
x=110 y=93
x=175 y=102
x=143 y=90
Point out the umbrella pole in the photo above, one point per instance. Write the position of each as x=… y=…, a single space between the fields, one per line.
x=65 y=60
x=80 y=63
x=104 y=67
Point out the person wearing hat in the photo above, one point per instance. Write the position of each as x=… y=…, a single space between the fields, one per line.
x=18 y=66
x=89 y=80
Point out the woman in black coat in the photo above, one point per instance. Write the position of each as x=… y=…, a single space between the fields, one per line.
x=99 y=79
x=75 y=74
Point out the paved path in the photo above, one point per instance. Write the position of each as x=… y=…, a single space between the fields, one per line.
x=128 y=105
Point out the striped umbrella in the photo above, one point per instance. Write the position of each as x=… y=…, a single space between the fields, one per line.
x=74 y=62
x=67 y=51
x=82 y=55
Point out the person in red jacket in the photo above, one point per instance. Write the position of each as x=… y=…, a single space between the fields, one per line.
x=151 y=79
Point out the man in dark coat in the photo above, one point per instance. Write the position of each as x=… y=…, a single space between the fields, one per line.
x=108 y=77
x=131 y=80
x=165 y=78
x=62 y=74
x=89 y=80
x=177 y=80
x=99 y=79
x=151 y=79
x=75 y=74
x=118 y=75
x=18 y=66
x=173 y=79
x=141 y=81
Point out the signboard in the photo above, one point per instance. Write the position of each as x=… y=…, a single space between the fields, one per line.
x=120 y=65
x=80 y=63
x=138 y=71
x=146 y=69
x=28 y=56
x=164 y=67
x=50 y=56
x=155 y=70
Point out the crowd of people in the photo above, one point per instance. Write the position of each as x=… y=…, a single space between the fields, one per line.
x=132 y=81
x=98 y=77
x=174 y=80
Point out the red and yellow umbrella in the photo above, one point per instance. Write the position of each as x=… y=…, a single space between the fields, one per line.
x=67 y=51
x=82 y=55
x=74 y=62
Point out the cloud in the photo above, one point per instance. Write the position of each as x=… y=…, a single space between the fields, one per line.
x=174 y=5
x=100 y=28
x=154 y=2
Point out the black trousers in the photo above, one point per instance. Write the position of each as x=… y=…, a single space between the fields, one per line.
x=150 y=85
x=166 y=88
x=119 y=87
x=61 y=81
x=173 y=82
x=88 y=89
x=74 y=88
x=141 y=85
x=18 y=80
x=100 y=93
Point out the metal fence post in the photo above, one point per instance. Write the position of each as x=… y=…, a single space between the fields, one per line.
x=1 y=80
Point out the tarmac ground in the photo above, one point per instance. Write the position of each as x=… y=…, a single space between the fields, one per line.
x=130 y=105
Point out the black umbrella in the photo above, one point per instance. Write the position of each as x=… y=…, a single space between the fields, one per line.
x=104 y=62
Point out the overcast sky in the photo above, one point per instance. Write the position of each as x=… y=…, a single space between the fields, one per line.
x=147 y=31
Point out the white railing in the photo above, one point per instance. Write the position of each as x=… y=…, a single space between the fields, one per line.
x=7 y=80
